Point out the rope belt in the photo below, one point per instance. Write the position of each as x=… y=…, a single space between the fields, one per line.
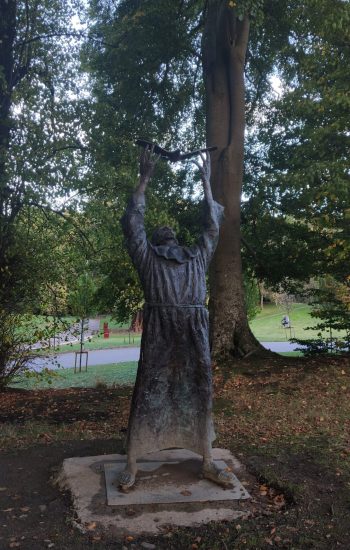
x=154 y=304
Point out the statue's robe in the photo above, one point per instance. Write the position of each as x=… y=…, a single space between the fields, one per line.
x=172 y=399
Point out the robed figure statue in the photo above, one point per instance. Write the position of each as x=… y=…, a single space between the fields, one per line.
x=172 y=400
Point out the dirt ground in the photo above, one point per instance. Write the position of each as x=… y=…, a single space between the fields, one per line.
x=286 y=420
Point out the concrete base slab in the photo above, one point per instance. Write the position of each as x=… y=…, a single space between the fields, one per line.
x=167 y=482
x=168 y=492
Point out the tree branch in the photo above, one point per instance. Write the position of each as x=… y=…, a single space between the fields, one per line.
x=56 y=150
x=44 y=208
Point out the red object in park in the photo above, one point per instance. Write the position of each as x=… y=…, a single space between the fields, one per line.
x=106 y=330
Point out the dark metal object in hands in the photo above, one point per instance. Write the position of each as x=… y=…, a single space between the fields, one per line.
x=173 y=156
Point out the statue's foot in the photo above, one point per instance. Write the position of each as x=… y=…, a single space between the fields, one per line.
x=221 y=476
x=125 y=480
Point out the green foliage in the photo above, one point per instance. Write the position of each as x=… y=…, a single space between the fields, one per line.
x=297 y=213
x=17 y=335
x=331 y=309
x=41 y=163
x=82 y=299
x=39 y=139
x=251 y=291
x=252 y=8
x=331 y=306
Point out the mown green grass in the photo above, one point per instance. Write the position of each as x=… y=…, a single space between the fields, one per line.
x=115 y=374
x=267 y=326
x=99 y=342
x=109 y=375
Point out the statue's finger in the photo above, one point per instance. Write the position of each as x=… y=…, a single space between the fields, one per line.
x=143 y=155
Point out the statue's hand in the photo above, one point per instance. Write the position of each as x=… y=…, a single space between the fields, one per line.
x=148 y=160
x=205 y=172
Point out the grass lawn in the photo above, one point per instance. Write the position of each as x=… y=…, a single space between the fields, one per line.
x=109 y=375
x=96 y=376
x=267 y=327
x=112 y=323
x=99 y=342
x=287 y=419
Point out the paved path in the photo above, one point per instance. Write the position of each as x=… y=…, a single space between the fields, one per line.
x=96 y=357
x=121 y=355
x=280 y=347
x=72 y=335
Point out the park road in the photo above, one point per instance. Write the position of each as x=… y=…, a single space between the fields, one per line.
x=122 y=355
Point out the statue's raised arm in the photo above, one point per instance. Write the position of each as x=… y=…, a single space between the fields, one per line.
x=214 y=212
x=133 y=219
x=205 y=173
x=148 y=161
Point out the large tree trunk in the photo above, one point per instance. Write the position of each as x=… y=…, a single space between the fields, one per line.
x=224 y=48
x=7 y=38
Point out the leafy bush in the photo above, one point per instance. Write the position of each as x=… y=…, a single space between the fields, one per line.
x=18 y=334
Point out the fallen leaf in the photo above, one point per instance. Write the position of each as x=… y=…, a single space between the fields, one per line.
x=279 y=500
x=91 y=526
x=186 y=493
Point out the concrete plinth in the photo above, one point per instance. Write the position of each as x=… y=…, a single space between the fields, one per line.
x=168 y=491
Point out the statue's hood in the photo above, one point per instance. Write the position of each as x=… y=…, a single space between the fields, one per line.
x=180 y=254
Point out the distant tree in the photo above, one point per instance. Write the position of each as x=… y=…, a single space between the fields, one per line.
x=40 y=150
x=331 y=307
x=40 y=159
x=82 y=298
x=297 y=184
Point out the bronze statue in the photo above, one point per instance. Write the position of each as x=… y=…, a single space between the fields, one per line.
x=172 y=399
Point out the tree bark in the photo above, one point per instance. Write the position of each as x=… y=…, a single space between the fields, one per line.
x=137 y=321
x=224 y=48
x=7 y=38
